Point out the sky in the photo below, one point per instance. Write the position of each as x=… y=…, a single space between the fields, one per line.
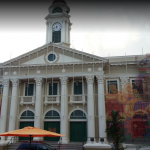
x=100 y=27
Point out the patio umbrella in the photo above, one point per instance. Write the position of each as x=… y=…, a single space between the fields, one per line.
x=31 y=132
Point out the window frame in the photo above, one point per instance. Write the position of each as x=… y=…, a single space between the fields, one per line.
x=57 y=88
x=131 y=79
x=25 y=88
x=73 y=86
x=112 y=80
x=56 y=57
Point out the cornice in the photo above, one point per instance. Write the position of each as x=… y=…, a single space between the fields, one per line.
x=53 y=64
x=104 y=60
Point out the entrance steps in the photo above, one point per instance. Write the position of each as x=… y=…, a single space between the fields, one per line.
x=69 y=146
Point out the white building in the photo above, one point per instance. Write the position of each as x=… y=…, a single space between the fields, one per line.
x=61 y=89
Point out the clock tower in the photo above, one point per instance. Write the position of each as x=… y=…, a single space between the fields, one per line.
x=58 y=23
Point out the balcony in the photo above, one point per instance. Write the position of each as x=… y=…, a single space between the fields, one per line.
x=27 y=100
x=52 y=99
x=77 y=99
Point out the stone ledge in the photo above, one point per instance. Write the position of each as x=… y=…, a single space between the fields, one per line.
x=97 y=146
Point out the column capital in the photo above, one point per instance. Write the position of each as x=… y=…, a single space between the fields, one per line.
x=5 y=82
x=15 y=82
x=39 y=81
x=89 y=79
x=124 y=80
x=100 y=79
x=64 y=80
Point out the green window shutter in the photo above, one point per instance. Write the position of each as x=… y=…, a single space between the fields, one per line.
x=29 y=89
x=56 y=36
x=78 y=88
x=53 y=89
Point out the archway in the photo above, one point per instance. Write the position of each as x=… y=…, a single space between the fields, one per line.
x=78 y=126
x=52 y=123
x=26 y=119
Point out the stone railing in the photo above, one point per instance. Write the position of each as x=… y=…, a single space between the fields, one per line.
x=52 y=99
x=77 y=99
x=27 y=100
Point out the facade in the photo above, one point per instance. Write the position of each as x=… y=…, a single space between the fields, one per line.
x=67 y=91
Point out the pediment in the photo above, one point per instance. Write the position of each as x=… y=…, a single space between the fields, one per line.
x=64 y=56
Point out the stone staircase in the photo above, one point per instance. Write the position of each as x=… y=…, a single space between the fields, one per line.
x=69 y=146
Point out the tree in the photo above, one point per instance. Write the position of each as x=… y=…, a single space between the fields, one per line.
x=114 y=130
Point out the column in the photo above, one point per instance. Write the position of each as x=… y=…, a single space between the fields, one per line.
x=63 y=31
x=14 y=105
x=50 y=32
x=101 y=107
x=4 y=107
x=64 y=109
x=90 y=108
x=38 y=102
x=67 y=32
x=46 y=32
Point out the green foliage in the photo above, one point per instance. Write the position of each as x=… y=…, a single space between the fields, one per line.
x=148 y=123
x=114 y=130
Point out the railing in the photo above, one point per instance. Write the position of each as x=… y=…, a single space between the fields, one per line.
x=77 y=99
x=12 y=140
x=52 y=99
x=27 y=100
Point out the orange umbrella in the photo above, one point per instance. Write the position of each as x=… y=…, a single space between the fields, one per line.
x=31 y=132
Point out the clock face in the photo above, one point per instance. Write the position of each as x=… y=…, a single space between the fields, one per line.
x=57 y=27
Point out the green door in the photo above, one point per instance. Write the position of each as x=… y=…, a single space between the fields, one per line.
x=78 y=131
x=25 y=124
x=53 y=127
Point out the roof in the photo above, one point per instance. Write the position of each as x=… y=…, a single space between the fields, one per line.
x=59 y=1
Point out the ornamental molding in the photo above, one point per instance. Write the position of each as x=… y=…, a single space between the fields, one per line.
x=100 y=79
x=15 y=82
x=89 y=79
x=38 y=81
x=5 y=82
x=101 y=59
x=124 y=80
x=56 y=57
x=64 y=80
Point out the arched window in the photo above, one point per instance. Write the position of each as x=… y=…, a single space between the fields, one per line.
x=57 y=10
x=78 y=114
x=52 y=115
x=27 y=115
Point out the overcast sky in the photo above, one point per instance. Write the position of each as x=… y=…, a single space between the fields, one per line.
x=100 y=27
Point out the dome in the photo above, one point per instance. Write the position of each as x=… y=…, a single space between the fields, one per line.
x=59 y=1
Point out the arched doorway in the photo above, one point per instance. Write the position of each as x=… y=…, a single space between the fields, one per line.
x=26 y=119
x=78 y=126
x=52 y=123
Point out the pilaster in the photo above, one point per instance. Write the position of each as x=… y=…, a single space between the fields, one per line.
x=124 y=81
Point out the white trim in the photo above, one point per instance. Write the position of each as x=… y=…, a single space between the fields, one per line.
x=75 y=110
x=24 y=88
x=78 y=120
x=26 y=120
x=24 y=111
x=112 y=80
x=51 y=120
x=57 y=87
x=50 y=110
x=46 y=57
